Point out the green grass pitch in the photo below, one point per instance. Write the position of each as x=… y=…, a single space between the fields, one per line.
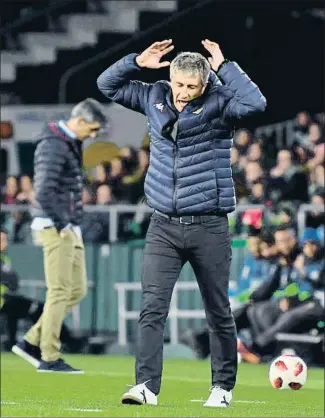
x=24 y=392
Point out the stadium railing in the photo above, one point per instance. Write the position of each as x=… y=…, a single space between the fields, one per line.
x=174 y=313
x=141 y=209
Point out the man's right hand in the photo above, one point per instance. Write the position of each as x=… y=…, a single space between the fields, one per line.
x=150 y=58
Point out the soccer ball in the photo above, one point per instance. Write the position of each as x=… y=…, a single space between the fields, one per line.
x=288 y=372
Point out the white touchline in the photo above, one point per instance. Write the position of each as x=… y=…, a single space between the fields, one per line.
x=84 y=410
x=67 y=409
x=250 y=401
x=241 y=401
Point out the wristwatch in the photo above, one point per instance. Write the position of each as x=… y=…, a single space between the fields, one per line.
x=222 y=64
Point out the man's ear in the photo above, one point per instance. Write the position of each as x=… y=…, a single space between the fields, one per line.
x=81 y=120
x=203 y=88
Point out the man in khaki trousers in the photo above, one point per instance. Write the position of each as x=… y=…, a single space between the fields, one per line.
x=57 y=214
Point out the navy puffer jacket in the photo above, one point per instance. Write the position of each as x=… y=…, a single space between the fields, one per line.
x=58 y=177
x=190 y=174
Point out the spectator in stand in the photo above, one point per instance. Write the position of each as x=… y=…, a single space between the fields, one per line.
x=316 y=219
x=309 y=147
x=287 y=216
x=316 y=137
x=100 y=177
x=134 y=183
x=286 y=181
x=302 y=122
x=268 y=251
x=114 y=178
x=317 y=180
x=257 y=193
x=253 y=270
x=129 y=158
x=238 y=175
x=19 y=224
x=87 y=198
x=242 y=141
x=255 y=153
x=11 y=191
x=253 y=173
x=26 y=191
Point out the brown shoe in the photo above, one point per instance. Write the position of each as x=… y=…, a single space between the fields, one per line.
x=247 y=355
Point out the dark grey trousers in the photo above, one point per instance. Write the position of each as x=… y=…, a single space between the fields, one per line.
x=287 y=321
x=169 y=245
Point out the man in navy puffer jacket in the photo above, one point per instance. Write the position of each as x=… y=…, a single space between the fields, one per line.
x=189 y=184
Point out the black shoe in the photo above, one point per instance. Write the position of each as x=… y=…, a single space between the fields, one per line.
x=57 y=366
x=28 y=352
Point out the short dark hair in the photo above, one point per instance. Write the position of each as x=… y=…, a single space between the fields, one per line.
x=90 y=110
x=267 y=237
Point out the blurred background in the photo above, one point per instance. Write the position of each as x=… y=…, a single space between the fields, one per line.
x=52 y=54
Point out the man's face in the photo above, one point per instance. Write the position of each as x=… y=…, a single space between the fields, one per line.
x=284 y=159
x=3 y=242
x=242 y=139
x=253 y=171
x=302 y=118
x=185 y=87
x=254 y=152
x=26 y=184
x=285 y=242
x=86 y=130
x=258 y=190
x=310 y=249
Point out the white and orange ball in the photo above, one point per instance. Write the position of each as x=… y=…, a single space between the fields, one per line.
x=288 y=372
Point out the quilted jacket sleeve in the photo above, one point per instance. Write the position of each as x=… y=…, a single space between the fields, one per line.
x=49 y=161
x=245 y=97
x=115 y=84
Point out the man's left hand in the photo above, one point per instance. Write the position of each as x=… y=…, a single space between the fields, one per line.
x=217 y=57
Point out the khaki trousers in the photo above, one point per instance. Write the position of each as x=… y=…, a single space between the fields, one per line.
x=65 y=275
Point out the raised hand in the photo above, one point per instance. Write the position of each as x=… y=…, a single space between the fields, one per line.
x=217 y=57
x=150 y=58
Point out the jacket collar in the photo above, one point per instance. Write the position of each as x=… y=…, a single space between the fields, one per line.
x=57 y=129
x=66 y=129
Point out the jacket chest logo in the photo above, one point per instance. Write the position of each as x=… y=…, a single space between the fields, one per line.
x=196 y=112
x=159 y=106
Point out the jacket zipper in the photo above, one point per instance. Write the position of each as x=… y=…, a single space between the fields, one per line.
x=71 y=204
x=174 y=176
x=174 y=137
